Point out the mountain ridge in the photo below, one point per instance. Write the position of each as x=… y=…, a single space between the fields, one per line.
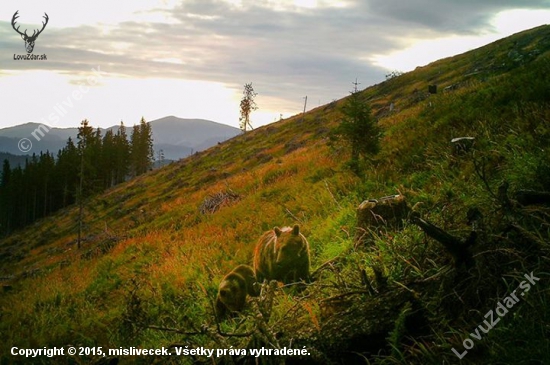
x=178 y=137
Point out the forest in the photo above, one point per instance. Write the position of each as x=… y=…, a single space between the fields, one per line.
x=48 y=182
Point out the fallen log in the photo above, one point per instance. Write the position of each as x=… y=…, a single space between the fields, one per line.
x=456 y=247
x=532 y=197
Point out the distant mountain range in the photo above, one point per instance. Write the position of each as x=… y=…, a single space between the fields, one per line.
x=176 y=137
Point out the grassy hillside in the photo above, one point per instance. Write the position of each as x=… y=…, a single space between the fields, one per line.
x=156 y=248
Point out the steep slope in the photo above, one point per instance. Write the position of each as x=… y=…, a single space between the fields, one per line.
x=153 y=253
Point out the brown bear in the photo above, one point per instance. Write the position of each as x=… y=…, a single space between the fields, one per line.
x=233 y=289
x=282 y=255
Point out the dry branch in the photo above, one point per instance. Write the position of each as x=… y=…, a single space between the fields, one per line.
x=214 y=202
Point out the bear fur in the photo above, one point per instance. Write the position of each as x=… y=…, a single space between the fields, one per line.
x=282 y=255
x=233 y=289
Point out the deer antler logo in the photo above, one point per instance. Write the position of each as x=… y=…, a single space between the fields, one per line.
x=29 y=40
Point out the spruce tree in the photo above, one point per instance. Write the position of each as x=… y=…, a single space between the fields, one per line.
x=122 y=154
x=358 y=129
x=142 y=148
x=135 y=150
x=68 y=167
x=5 y=198
x=147 y=140
x=108 y=159
x=85 y=145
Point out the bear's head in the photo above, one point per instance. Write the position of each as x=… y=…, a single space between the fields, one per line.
x=230 y=292
x=290 y=246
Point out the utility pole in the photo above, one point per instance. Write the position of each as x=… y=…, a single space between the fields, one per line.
x=305 y=103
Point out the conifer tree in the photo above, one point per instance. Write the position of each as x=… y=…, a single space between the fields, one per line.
x=135 y=150
x=248 y=105
x=122 y=154
x=85 y=145
x=5 y=198
x=358 y=129
x=147 y=140
x=108 y=159
x=85 y=137
x=45 y=170
x=142 y=148
x=67 y=170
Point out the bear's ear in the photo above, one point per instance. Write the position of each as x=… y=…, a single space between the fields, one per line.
x=277 y=231
x=296 y=230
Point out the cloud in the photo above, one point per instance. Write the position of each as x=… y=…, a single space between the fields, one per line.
x=288 y=49
x=450 y=16
x=215 y=41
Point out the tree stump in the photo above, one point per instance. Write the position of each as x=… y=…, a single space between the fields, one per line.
x=388 y=211
x=462 y=145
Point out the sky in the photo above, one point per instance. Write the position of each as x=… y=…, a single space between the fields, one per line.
x=112 y=61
